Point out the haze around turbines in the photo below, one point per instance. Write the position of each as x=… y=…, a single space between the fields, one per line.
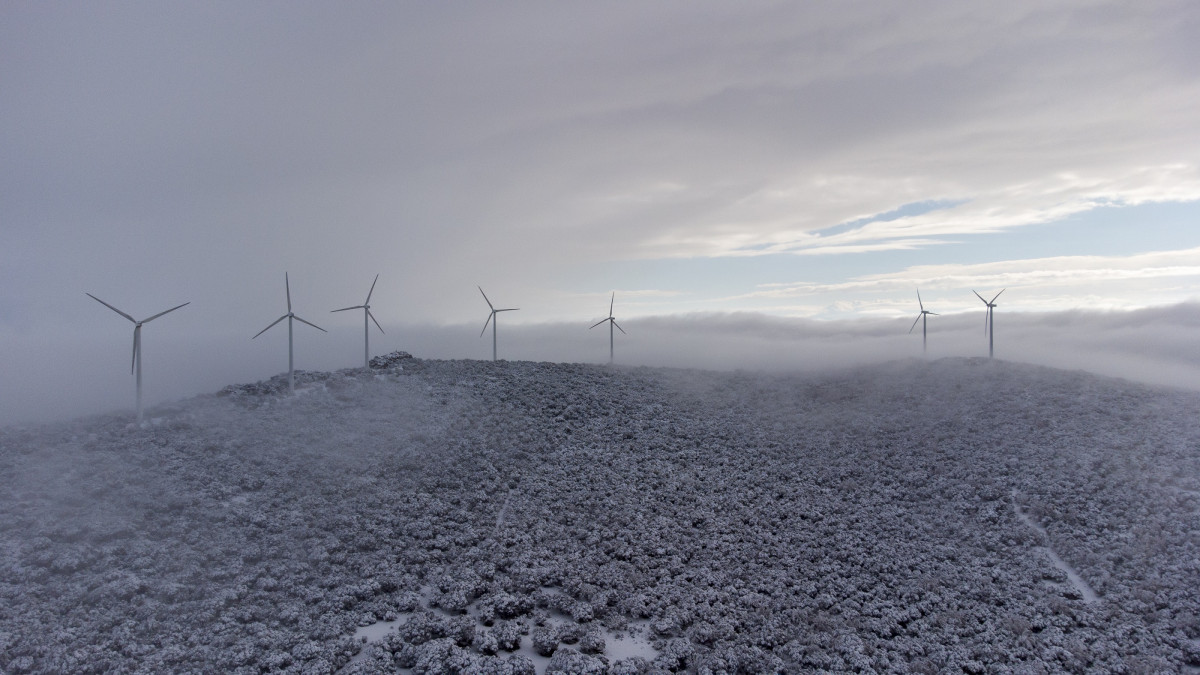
x=923 y=318
x=136 y=364
x=612 y=323
x=989 y=321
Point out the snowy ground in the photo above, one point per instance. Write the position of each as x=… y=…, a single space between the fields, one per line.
x=953 y=516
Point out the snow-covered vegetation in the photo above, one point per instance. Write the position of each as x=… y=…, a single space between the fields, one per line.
x=512 y=517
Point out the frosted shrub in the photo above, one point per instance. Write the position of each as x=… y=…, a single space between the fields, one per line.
x=507 y=635
x=568 y=661
x=503 y=606
x=545 y=640
x=581 y=612
x=422 y=627
x=592 y=641
x=674 y=655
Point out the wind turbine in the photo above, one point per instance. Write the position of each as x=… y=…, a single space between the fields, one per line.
x=289 y=316
x=922 y=318
x=989 y=319
x=611 y=323
x=137 y=345
x=366 y=308
x=492 y=320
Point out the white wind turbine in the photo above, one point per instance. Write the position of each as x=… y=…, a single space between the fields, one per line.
x=492 y=320
x=924 y=327
x=366 y=308
x=136 y=366
x=989 y=319
x=611 y=323
x=289 y=316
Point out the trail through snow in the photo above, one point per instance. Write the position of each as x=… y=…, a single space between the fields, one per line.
x=1085 y=590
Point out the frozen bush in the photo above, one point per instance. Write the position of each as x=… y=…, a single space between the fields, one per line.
x=423 y=626
x=569 y=633
x=508 y=635
x=569 y=661
x=674 y=654
x=519 y=664
x=486 y=642
x=635 y=665
x=592 y=641
x=545 y=640
x=581 y=612
x=503 y=606
x=434 y=657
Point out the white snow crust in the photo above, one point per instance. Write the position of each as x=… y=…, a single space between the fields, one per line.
x=958 y=515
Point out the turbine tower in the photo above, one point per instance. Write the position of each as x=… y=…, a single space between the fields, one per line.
x=989 y=320
x=289 y=316
x=136 y=366
x=366 y=308
x=611 y=323
x=922 y=318
x=492 y=320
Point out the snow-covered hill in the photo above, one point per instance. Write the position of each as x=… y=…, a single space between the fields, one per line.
x=467 y=516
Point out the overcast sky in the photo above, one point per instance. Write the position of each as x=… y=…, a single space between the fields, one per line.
x=782 y=161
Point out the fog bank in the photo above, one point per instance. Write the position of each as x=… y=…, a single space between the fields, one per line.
x=87 y=374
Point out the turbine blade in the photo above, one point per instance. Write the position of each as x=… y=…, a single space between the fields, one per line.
x=611 y=301
x=269 y=327
x=986 y=317
x=376 y=321
x=933 y=313
x=368 y=300
x=619 y=327
x=309 y=323
x=998 y=294
x=485 y=323
x=598 y=323
x=288 y=287
x=111 y=307
x=166 y=312
x=485 y=299
x=346 y=308
x=980 y=297
x=915 y=322
x=133 y=362
x=510 y=309
x=919 y=301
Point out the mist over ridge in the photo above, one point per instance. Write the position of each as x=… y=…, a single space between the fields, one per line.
x=56 y=380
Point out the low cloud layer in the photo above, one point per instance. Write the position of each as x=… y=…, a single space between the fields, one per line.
x=1155 y=346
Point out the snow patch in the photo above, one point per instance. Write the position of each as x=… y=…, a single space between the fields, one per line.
x=630 y=643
